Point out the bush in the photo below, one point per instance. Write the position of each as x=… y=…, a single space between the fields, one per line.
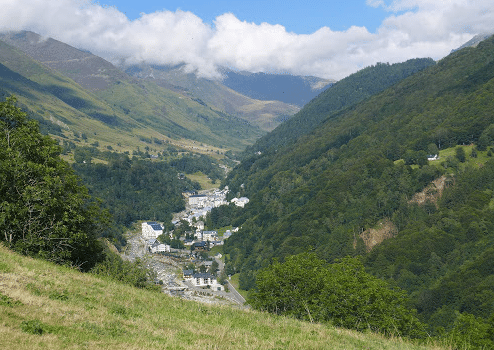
x=133 y=273
x=33 y=327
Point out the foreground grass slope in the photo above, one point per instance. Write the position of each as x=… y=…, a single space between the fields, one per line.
x=44 y=306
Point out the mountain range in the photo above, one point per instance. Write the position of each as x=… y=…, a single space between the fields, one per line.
x=71 y=90
x=354 y=173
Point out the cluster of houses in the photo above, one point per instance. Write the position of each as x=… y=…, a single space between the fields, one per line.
x=150 y=232
x=201 y=204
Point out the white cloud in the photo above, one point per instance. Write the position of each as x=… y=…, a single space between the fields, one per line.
x=414 y=28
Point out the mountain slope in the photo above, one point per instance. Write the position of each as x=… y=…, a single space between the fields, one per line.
x=46 y=306
x=344 y=93
x=332 y=185
x=124 y=104
x=267 y=114
x=280 y=87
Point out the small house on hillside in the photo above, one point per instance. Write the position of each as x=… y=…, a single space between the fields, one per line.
x=160 y=248
x=200 y=246
x=188 y=274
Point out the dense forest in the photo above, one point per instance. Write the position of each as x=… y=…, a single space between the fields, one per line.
x=346 y=92
x=136 y=188
x=362 y=167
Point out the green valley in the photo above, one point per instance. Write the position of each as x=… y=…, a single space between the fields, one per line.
x=75 y=91
x=372 y=208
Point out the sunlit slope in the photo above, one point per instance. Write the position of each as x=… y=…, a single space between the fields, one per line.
x=100 y=91
x=43 y=306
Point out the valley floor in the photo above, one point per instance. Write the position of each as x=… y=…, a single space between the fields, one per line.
x=169 y=270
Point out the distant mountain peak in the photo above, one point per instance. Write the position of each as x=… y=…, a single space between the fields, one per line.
x=474 y=41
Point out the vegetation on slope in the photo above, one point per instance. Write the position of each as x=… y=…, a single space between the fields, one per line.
x=135 y=189
x=342 y=293
x=45 y=306
x=44 y=210
x=264 y=114
x=119 y=110
x=346 y=92
x=342 y=179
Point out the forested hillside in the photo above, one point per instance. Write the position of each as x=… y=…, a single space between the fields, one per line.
x=326 y=191
x=346 y=92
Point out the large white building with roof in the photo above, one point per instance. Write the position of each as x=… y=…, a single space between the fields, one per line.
x=151 y=230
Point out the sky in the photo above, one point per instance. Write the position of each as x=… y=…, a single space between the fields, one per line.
x=329 y=39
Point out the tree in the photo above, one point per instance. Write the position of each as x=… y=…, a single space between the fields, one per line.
x=214 y=267
x=460 y=154
x=44 y=210
x=306 y=287
x=473 y=332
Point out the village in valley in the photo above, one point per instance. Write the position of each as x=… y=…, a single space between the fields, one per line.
x=184 y=259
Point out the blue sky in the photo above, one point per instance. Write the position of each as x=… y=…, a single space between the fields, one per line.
x=301 y=17
x=328 y=39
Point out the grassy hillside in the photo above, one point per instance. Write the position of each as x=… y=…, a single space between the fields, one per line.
x=267 y=114
x=74 y=91
x=43 y=306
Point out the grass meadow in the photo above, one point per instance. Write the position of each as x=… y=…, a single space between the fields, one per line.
x=44 y=306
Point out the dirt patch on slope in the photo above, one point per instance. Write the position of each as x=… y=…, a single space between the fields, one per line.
x=374 y=236
x=431 y=193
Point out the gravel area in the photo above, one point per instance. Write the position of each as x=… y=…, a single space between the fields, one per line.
x=169 y=271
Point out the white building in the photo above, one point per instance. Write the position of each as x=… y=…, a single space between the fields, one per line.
x=160 y=247
x=198 y=200
x=151 y=230
x=203 y=280
x=209 y=236
x=240 y=202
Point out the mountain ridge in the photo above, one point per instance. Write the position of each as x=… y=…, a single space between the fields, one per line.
x=265 y=114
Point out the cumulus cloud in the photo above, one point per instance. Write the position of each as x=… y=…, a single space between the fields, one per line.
x=413 y=28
